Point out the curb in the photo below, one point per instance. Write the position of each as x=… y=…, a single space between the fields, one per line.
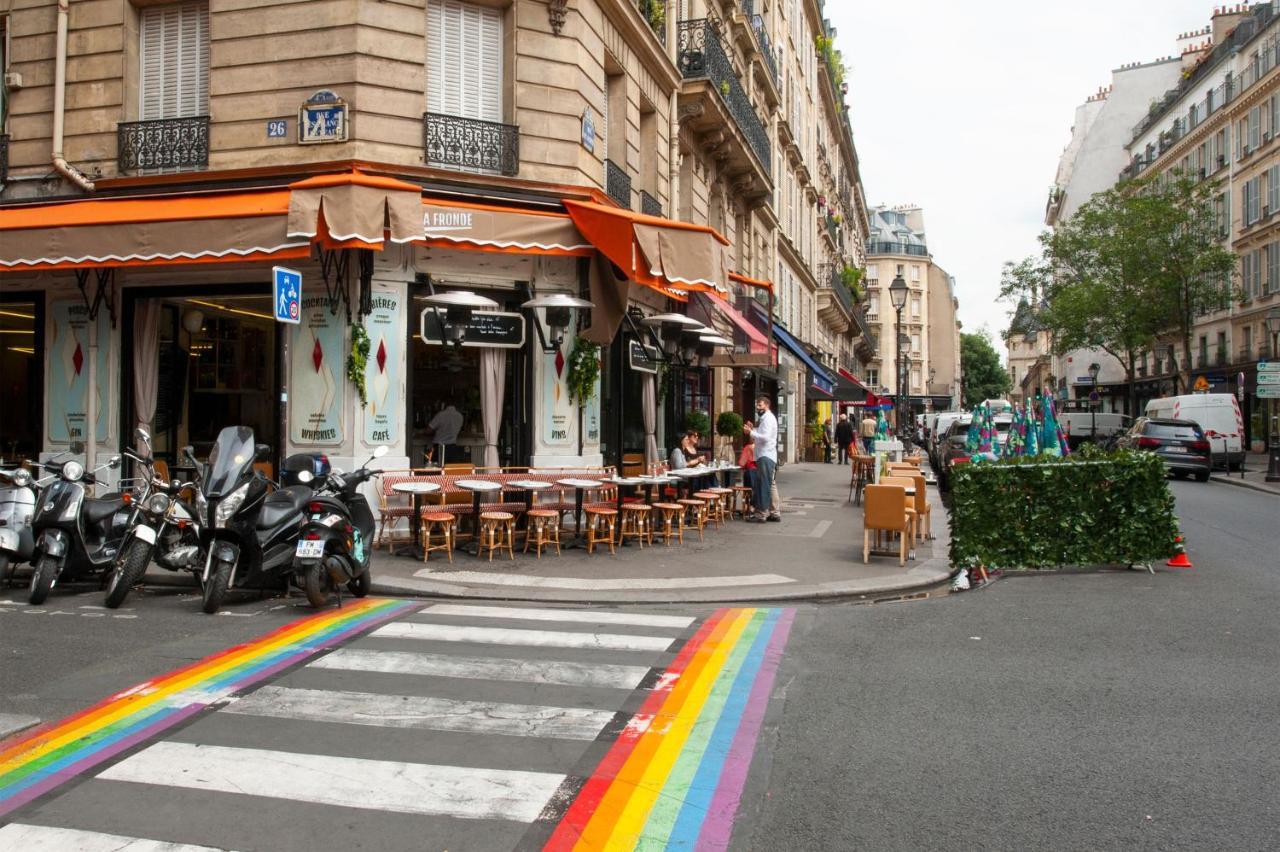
x=1240 y=483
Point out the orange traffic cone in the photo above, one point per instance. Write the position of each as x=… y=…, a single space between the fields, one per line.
x=1179 y=559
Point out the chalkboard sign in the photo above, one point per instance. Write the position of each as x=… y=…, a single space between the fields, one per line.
x=494 y=329
x=643 y=358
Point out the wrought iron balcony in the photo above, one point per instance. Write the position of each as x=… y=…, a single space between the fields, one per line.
x=842 y=294
x=166 y=144
x=617 y=183
x=1220 y=357
x=470 y=144
x=833 y=230
x=702 y=56
x=4 y=158
x=649 y=205
x=766 y=47
x=655 y=12
x=748 y=7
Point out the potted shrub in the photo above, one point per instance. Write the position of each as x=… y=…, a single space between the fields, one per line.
x=729 y=426
x=698 y=421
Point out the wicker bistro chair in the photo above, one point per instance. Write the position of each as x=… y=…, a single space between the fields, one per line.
x=669 y=523
x=497 y=532
x=601 y=521
x=696 y=511
x=636 y=522
x=885 y=510
x=543 y=531
x=392 y=507
x=445 y=525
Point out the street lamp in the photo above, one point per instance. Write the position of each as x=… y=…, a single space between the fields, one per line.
x=1273 y=462
x=898 y=298
x=1094 y=369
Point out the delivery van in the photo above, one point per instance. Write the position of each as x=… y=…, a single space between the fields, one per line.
x=1218 y=415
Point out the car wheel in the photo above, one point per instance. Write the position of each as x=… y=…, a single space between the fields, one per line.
x=1179 y=474
x=1203 y=476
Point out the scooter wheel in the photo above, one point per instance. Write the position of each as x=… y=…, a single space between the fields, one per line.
x=46 y=571
x=315 y=582
x=216 y=589
x=361 y=585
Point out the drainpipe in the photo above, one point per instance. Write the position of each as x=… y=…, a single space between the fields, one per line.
x=60 y=163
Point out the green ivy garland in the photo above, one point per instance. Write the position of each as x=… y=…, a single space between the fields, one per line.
x=357 y=360
x=584 y=371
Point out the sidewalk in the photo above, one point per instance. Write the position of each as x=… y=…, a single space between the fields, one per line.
x=1255 y=475
x=814 y=554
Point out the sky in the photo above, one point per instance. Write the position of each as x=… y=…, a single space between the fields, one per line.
x=964 y=106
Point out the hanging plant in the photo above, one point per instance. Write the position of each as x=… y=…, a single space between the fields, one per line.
x=357 y=360
x=724 y=88
x=584 y=371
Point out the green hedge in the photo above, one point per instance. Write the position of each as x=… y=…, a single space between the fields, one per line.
x=1090 y=509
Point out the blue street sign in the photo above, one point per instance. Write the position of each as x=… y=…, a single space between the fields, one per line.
x=287 y=294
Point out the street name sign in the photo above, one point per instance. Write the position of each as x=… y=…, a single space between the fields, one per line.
x=287 y=294
x=1268 y=391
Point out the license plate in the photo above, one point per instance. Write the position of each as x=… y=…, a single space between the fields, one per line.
x=308 y=549
x=1175 y=449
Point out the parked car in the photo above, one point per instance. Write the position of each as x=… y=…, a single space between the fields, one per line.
x=952 y=450
x=1181 y=445
x=938 y=434
x=1099 y=426
x=1217 y=414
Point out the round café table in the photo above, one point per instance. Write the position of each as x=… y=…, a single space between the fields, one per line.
x=416 y=490
x=477 y=487
x=652 y=482
x=579 y=486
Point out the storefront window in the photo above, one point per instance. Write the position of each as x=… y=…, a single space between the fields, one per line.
x=21 y=359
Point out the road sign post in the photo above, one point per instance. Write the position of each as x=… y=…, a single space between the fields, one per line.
x=286 y=297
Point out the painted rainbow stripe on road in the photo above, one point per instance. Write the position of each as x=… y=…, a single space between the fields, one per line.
x=52 y=756
x=674 y=777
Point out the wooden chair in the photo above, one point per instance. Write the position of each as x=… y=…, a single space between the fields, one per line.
x=885 y=510
x=670 y=522
x=924 y=510
x=392 y=506
x=741 y=505
x=442 y=523
x=635 y=523
x=601 y=522
x=715 y=511
x=543 y=531
x=696 y=512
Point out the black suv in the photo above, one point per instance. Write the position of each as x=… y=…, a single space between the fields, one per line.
x=1181 y=445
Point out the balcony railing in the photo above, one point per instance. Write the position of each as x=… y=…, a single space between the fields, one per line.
x=881 y=247
x=702 y=56
x=833 y=229
x=4 y=159
x=617 y=183
x=470 y=144
x=748 y=7
x=655 y=13
x=166 y=144
x=766 y=47
x=649 y=205
x=842 y=294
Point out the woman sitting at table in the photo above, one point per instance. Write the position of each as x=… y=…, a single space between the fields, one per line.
x=686 y=454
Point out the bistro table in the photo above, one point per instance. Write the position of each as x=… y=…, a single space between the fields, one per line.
x=416 y=489
x=579 y=486
x=529 y=486
x=477 y=487
x=651 y=482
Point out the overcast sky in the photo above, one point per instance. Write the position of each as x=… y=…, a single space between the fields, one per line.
x=964 y=106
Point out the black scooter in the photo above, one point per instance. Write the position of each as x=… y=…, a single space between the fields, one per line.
x=336 y=541
x=76 y=536
x=250 y=532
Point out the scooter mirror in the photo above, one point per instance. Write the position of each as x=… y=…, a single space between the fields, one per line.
x=77 y=447
x=304 y=476
x=380 y=451
x=114 y=462
x=262 y=452
x=142 y=435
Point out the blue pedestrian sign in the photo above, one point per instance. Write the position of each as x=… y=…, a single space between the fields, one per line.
x=288 y=294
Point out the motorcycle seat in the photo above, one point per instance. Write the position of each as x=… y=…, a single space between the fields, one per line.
x=280 y=504
x=96 y=511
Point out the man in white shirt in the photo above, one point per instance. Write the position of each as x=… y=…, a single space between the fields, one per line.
x=445 y=427
x=765 y=439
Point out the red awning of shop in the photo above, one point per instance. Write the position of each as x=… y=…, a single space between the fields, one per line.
x=202 y=227
x=673 y=257
x=851 y=377
x=452 y=224
x=756 y=340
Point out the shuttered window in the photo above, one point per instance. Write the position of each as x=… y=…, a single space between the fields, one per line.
x=464 y=60
x=174 y=61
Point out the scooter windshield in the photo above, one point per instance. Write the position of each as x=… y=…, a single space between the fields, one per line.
x=231 y=456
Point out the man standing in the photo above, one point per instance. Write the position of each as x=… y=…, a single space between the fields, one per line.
x=765 y=438
x=445 y=427
x=868 y=431
x=826 y=441
x=844 y=437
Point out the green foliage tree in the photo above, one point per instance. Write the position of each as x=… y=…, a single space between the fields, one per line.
x=984 y=376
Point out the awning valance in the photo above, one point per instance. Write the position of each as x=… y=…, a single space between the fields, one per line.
x=466 y=225
x=670 y=256
x=848 y=388
x=747 y=337
x=355 y=210
x=158 y=230
x=819 y=379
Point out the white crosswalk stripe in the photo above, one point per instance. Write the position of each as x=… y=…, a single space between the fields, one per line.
x=384 y=785
x=412 y=711
x=560 y=673
x=633 y=619
x=515 y=636
x=39 y=838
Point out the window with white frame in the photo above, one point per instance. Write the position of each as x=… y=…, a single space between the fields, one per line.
x=915 y=344
x=1255 y=128
x=464 y=60
x=873 y=377
x=915 y=272
x=873 y=272
x=1273 y=190
x=1273 y=268
x=915 y=306
x=1251 y=202
x=915 y=378
x=873 y=305
x=173 y=59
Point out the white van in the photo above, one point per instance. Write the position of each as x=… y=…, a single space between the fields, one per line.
x=1218 y=415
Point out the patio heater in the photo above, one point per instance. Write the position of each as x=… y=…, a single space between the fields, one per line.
x=557 y=310
x=458 y=306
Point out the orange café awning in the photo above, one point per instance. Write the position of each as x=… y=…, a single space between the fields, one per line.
x=467 y=225
x=751 y=282
x=190 y=228
x=670 y=256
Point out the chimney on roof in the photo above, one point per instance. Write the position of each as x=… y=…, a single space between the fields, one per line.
x=1226 y=18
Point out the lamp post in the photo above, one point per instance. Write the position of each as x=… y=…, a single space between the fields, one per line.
x=1094 y=369
x=898 y=297
x=1273 y=451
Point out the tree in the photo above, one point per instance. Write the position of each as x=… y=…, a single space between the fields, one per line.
x=984 y=376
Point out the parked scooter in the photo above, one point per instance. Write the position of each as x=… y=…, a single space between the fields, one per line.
x=18 y=493
x=164 y=528
x=249 y=534
x=76 y=536
x=335 y=543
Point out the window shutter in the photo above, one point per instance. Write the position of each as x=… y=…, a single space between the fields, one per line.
x=174 y=60
x=464 y=60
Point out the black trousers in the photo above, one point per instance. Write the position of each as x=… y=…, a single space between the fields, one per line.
x=844 y=454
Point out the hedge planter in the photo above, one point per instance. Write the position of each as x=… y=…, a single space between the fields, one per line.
x=1096 y=509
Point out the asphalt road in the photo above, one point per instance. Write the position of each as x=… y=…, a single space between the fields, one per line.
x=1089 y=711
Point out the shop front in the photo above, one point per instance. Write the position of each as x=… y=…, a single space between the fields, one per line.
x=22 y=356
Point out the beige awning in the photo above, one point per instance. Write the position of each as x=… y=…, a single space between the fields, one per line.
x=355 y=210
x=519 y=230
